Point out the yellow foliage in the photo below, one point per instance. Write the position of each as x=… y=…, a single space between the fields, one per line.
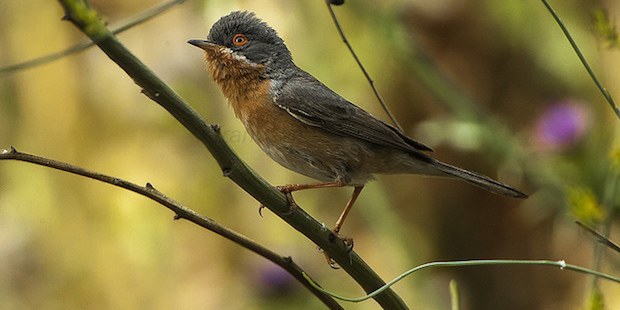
x=584 y=205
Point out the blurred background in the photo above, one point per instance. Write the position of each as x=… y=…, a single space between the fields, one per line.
x=492 y=86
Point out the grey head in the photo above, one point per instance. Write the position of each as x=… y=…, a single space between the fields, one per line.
x=248 y=36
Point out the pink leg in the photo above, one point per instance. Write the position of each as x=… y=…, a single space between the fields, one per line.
x=287 y=189
x=347 y=208
x=297 y=187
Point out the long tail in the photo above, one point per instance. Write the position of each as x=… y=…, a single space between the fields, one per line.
x=479 y=180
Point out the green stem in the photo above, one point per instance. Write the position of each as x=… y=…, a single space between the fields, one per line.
x=561 y=264
x=583 y=59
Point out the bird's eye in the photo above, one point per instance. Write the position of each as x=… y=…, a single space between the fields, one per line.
x=240 y=39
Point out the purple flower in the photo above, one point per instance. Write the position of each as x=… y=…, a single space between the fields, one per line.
x=561 y=124
x=273 y=280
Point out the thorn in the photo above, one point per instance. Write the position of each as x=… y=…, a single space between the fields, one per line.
x=288 y=259
x=177 y=217
x=13 y=150
x=227 y=171
x=149 y=185
x=349 y=243
x=66 y=17
x=336 y=2
x=216 y=128
x=332 y=263
x=260 y=210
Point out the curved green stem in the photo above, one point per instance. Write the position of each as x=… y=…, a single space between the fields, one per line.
x=561 y=264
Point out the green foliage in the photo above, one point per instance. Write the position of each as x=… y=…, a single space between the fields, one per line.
x=605 y=28
x=595 y=300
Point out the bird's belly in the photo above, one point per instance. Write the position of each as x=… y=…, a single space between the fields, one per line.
x=305 y=149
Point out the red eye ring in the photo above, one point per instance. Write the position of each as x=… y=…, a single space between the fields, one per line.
x=240 y=39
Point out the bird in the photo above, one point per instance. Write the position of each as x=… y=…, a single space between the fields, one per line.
x=304 y=125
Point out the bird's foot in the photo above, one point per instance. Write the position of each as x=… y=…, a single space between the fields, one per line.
x=292 y=205
x=348 y=242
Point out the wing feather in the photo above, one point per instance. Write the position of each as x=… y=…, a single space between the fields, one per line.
x=314 y=104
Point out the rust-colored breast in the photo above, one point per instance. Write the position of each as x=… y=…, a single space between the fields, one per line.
x=245 y=88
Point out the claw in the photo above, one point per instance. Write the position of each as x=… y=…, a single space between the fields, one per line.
x=348 y=242
x=292 y=205
x=330 y=261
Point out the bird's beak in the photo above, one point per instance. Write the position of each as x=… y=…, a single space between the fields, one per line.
x=205 y=45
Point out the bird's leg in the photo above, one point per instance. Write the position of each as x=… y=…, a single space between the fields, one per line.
x=298 y=187
x=348 y=241
x=347 y=208
x=287 y=189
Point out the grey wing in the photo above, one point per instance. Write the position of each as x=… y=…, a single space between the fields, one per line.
x=314 y=104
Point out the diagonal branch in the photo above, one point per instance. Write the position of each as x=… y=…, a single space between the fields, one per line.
x=86 y=19
x=181 y=212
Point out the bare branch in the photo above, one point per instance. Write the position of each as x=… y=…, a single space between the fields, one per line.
x=181 y=212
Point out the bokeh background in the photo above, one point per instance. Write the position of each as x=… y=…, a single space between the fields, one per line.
x=493 y=86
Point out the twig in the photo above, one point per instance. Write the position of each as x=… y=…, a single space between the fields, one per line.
x=359 y=63
x=84 y=45
x=234 y=168
x=600 y=238
x=181 y=212
x=583 y=60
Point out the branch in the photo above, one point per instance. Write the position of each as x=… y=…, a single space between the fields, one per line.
x=359 y=63
x=39 y=61
x=181 y=212
x=85 y=18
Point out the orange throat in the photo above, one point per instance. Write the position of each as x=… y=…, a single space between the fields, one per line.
x=238 y=78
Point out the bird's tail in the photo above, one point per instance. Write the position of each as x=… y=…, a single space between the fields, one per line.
x=479 y=180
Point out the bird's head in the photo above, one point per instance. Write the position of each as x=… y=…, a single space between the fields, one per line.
x=242 y=37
